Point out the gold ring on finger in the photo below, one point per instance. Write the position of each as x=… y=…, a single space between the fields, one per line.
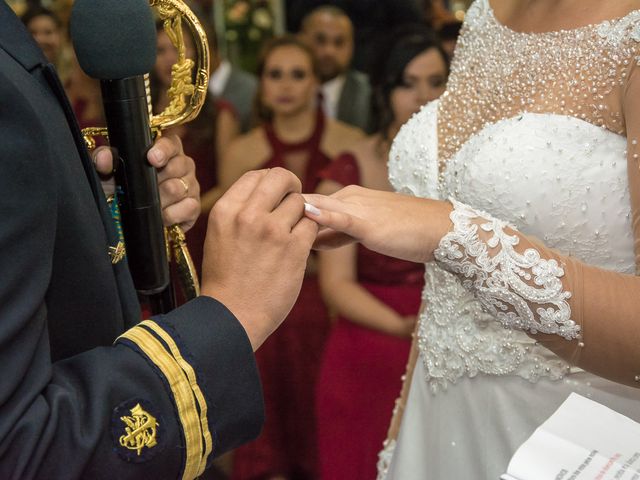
x=185 y=185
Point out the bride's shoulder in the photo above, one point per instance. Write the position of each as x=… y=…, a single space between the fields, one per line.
x=418 y=125
x=413 y=159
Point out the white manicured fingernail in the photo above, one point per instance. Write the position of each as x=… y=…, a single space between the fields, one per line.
x=311 y=209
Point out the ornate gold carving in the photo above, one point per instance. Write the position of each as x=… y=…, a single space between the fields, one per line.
x=117 y=253
x=90 y=133
x=186 y=270
x=186 y=97
x=140 y=428
x=173 y=12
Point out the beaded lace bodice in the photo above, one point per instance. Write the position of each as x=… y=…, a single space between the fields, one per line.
x=536 y=139
x=576 y=72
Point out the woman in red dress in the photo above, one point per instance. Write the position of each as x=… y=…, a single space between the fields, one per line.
x=296 y=135
x=377 y=298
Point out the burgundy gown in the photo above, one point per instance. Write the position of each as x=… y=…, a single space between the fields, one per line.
x=289 y=360
x=361 y=368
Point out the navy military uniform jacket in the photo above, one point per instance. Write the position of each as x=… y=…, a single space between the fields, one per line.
x=84 y=391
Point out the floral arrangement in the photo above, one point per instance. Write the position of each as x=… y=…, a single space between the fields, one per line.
x=247 y=24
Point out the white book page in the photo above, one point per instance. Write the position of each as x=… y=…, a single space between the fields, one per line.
x=582 y=440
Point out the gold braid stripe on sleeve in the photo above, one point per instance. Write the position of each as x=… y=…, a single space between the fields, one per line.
x=182 y=395
x=191 y=375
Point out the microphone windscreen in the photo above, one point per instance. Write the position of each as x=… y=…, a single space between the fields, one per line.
x=113 y=39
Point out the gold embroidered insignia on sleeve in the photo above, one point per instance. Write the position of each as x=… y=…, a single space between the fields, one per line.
x=117 y=253
x=186 y=395
x=140 y=430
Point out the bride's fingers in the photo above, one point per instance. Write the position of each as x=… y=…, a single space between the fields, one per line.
x=331 y=203
x=339 y=221
x=335 y=214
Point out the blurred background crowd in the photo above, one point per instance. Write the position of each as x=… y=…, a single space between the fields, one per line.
x=320 y=88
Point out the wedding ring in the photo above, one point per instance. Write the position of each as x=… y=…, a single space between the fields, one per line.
x=185 y=185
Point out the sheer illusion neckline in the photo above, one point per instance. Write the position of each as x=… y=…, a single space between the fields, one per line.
x=579 y=29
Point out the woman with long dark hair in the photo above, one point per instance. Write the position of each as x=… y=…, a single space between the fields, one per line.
x=376 y=297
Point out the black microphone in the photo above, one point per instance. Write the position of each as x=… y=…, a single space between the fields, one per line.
x=115 y=42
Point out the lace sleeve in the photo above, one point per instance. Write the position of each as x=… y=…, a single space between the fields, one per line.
x=522 y=290
x=586 y=315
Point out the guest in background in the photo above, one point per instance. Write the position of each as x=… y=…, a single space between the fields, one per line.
x=295 y=134
x=231 y=84
x=369 y=17
x=376 y=297
x=84 y=92
x=47 y=30
x=346 y=93
x=85 y=97
x=203 y=139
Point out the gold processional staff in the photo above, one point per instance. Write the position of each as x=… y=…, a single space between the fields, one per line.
x=186 y=94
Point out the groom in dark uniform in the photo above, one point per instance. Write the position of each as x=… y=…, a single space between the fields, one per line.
x=85 y=390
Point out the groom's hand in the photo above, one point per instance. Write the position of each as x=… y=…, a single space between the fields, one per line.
x=179 y=190
x=256 y=250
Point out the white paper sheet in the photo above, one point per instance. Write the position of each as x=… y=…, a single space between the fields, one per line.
x=582 y=440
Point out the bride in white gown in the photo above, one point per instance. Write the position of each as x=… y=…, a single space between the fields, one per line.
x=537 y=132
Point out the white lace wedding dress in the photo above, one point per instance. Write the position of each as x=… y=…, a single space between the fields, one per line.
x=532 y=132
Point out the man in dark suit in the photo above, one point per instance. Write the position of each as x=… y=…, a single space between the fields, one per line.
x=86 y=390
x=369 y=17
x=346 y=93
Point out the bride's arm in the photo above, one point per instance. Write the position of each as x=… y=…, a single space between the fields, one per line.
x=587 y=315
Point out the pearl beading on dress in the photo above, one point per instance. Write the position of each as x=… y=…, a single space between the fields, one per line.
x=537 y=75
x=384 y=458
x=458 y=338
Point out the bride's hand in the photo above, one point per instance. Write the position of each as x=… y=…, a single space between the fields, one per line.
x=397 y=225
